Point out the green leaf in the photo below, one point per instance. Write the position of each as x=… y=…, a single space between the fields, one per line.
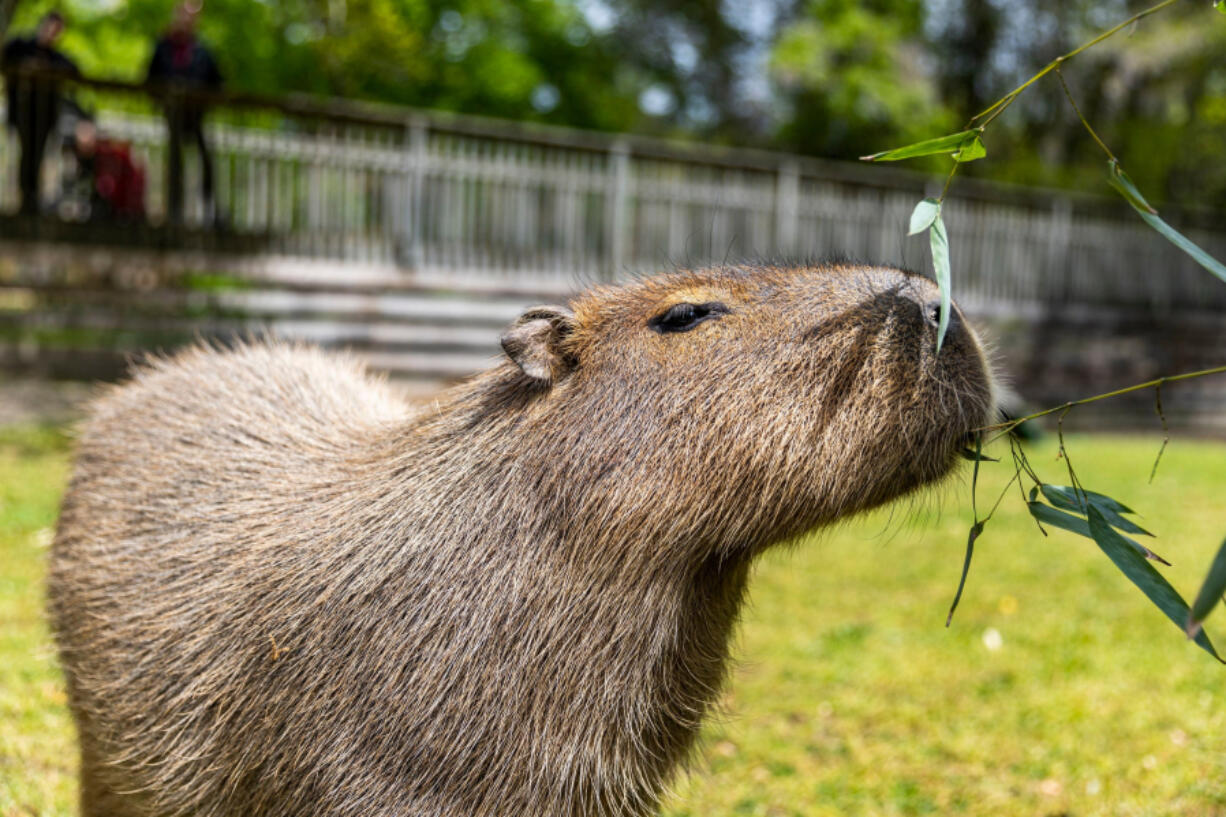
x=923 y=215
x=1070 y=499
x=940 y=262
x=1220 y=5
x=1144 y=576
x=1120 y=181
x=1075 y=524
x=1179 y=240
x=976 y=529
x=1210 y=592
x=943 y=144
x=972 y=150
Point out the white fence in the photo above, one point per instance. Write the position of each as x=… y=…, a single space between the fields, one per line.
x=447 y=196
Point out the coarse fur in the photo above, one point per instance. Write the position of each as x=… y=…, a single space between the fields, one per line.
x=277 y=590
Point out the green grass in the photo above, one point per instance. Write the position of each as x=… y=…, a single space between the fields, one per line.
x=37 y=757
x=850 y=696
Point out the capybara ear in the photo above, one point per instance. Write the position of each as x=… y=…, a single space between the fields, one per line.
x=534 y=342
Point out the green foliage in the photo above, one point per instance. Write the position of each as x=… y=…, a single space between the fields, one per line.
x=971 y=150
x=524 y=59
x=1047 y=515
x=1120 y=181
x=837 y=75
x=853 y=74
x=1144 y=576
x=1078 y=499
x=939 y=242
x=968 y=146
x=924 y=214
x=927 y=216
x=964 y=146
x=1210 y=593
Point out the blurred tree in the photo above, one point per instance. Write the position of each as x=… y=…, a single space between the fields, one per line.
x=1157 y=96
x=857 y=76
x=522 y=59
x=828 y=77
x=699 y=58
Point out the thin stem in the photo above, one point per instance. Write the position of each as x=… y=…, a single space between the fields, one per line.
x=1073 y=102
x=1009 y=425
x=1016 y=476
x=1020 y=460
x=1166 y=431
x=948 y=181
x=998 y=107
x=975 y=478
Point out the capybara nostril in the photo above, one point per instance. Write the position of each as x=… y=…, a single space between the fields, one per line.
x=932 y=315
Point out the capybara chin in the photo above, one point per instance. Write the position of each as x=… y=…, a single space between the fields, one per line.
x=278 y=590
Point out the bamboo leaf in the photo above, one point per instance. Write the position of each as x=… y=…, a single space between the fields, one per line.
x=1101 y=501
x=1182 y=242
x=1210 y=594
x=972 y=150
x=1156 y=588
x=1071 y=499
x=939 y=242
x=1120 y=181
x=942 y=144
x=976 y=529
x=1045 y=514
x=923 y=215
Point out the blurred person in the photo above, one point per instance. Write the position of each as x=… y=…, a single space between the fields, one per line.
x=34 y=102
x=106 y=183
x=182 y=62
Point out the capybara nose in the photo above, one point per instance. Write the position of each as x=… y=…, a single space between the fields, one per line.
x=932 y=314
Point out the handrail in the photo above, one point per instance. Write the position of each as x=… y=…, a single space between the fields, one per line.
x=376 y=114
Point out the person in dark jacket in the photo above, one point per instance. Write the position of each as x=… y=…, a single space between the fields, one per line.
x=182 y=64
x=34 y=102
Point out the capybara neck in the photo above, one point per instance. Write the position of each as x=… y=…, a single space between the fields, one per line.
x=599 y=662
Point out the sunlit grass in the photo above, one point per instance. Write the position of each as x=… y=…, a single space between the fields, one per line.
x=37 y=756
x=851 y=697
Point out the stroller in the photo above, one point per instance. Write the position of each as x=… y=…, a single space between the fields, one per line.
x=104 y=183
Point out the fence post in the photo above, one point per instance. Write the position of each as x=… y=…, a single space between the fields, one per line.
x=1058 y=243
x=787 y=209
x=615 y=217
x=174 y=161
x=413 y=254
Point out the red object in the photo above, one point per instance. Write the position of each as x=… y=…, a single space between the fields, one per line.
x=118 y=180
x=182 y=49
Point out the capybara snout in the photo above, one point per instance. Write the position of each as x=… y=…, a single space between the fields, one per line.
x=279 y=591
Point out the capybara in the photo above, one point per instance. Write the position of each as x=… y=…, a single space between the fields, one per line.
x=278 y=590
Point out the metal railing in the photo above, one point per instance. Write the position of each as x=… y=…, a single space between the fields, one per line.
x=366 y=184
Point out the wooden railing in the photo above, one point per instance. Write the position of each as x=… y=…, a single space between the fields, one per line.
x=414 y=190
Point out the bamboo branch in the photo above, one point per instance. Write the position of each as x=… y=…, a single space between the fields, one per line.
x=1009 y=425
x=998 y=107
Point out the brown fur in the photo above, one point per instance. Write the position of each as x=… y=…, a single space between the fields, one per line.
x=277 y=591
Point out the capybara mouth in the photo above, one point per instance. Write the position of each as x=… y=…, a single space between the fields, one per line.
x=970 y=446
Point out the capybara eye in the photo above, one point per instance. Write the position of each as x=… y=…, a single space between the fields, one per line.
x=684 y=317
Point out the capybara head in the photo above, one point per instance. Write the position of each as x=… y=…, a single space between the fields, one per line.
x=752 y=403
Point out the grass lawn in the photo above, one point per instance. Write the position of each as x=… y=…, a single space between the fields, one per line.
x=1058 y=691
